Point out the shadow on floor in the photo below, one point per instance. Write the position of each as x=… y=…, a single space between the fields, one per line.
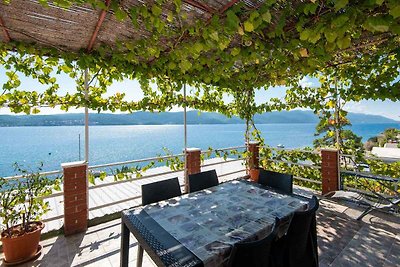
x=344 y=241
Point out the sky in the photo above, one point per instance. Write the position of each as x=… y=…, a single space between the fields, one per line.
x=132 y=90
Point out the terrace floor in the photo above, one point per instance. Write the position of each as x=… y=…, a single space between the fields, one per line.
x=342 y=241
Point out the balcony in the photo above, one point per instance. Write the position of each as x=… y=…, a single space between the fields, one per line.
x=342 y=240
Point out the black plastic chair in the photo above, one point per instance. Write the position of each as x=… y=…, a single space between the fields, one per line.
x=160 y=190
x=299 y=246
x=279 y=181
x=202 y=180
x=254 y=253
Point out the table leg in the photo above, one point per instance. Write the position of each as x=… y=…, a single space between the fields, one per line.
x=139 y=259
x=124 y=245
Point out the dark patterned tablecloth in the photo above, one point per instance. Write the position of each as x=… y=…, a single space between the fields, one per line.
x=210 y=221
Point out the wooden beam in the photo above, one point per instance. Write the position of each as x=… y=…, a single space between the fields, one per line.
x=6 y=34
x=228 y=5
x=201 y=6
x=102 y=16
x=224 y=8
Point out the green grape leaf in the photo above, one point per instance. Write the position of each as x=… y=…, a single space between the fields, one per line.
x=232 y=20
x=339 y=21
x=339 y=4
x=305 y=34
x=377 y=24
x=248 y=26
x=235 y=51
x=185 y=65
x=267 y=17
x=395 y=11
x=156 y=10
x=330 y=36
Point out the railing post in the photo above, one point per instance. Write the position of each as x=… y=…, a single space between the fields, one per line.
x=76 y=197
x=252 y=161
x=330 y=170
x=193 y=163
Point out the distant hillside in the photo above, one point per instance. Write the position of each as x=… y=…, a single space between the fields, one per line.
x=193 y=117
x=365 y=118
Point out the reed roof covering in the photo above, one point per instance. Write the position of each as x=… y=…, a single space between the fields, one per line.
x=257 y=42
x=71 y=28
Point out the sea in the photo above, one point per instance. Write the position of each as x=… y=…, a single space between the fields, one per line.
x=54 y=145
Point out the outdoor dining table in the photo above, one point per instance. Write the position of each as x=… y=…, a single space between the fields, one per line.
x=200 y=228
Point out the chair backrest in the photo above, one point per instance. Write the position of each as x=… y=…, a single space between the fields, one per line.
x=279 y=181
x=202 y=180
x=160 y=190
x=299 y=229
x=254 y=253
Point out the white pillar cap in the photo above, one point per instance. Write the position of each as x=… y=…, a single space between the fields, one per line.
x=73 y=164
x=253 y=142
x=192 y=149
x=330 y=149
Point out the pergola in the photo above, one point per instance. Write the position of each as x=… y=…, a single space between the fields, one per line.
x=243 y=34
x=216 y=46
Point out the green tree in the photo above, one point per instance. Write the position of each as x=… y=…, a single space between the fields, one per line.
x=333 y=133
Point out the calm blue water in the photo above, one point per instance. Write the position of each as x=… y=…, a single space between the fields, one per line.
x=55 y=145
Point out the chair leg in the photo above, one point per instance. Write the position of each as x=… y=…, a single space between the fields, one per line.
x=124 y=245
x=368 y=210
x=139 y=259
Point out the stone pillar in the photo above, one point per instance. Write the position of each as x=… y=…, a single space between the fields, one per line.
x=252 y=161
x=76 y=197
x=330 y=170
x=193 y=163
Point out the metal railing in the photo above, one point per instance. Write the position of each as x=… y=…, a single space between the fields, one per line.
x=124 y=163
x=143 y=177
x=228 y=160
x=223 y=149
x=133 y=179
x=134 y=161
x=219 y=163
x=46 y=173
x=296 y=163
x=162 y=172
x=293 y=149
x=300 y=164
x=354 y=171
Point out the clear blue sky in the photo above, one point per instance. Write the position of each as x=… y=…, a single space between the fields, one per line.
x=133 y=92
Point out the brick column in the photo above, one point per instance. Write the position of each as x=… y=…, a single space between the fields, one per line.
x=193 y=163
x=253 y=149
x=330 y=170
x=76 y=196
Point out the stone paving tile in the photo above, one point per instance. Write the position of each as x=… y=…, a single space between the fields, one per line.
x=99 y=246
x=334 y=233
x=368 y=248
x=342 y=242
x=393 y=256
